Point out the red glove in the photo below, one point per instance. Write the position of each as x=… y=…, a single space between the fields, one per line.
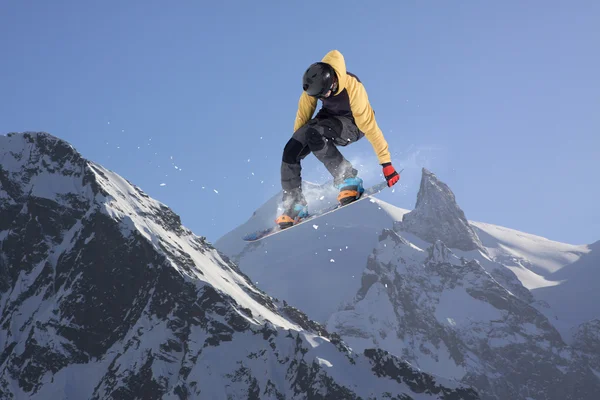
x=391 y=176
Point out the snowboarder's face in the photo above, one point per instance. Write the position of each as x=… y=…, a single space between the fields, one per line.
x=331 y=90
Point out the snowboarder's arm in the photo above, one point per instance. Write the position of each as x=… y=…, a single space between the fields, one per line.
x=365 y=119
x=306 y=108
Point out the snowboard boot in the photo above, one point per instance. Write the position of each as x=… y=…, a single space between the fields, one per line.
x=350 y=190
x=295 y=209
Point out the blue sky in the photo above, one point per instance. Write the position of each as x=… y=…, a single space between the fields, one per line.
x=500 y=99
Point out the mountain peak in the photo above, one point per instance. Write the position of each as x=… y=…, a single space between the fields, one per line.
x=42 y=143
x=39 y=165
x=437 y=216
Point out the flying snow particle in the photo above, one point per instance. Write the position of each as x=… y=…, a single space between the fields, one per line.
x=163 y=184
x=328 y=249
x=332 y=260
x=316 y=226
x=321 y=198
x=248 y=160
x=215 y=190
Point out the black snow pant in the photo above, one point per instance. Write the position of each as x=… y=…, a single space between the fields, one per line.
x=321 y=136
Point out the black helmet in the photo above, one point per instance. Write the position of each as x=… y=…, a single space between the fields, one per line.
x=318 y=79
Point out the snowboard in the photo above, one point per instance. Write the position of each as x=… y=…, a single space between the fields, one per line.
x=264 y=233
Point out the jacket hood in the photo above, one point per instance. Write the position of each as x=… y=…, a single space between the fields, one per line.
x=337 y=62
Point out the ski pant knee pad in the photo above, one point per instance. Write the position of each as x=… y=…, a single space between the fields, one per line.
x=294 y=151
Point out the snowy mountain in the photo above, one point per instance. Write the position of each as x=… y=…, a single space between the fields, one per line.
x=493 y=309
x=104 y=294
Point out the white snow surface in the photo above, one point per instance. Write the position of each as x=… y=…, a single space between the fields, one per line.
x=283 y=262
x=296 y=266
x=544 y=256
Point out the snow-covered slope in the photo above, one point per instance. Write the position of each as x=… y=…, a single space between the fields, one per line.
x=104 y=294
x=532 y=258
x=564 y=278
x=465 y=313
x=575 y=298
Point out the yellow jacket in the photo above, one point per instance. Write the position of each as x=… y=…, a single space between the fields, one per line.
x=359 y=106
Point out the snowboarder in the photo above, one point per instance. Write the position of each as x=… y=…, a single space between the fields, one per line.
x=345 y=117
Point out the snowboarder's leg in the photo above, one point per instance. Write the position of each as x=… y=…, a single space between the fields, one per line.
x=295 y=150
x=319 y=136
x=293 y=202
x=322 y=140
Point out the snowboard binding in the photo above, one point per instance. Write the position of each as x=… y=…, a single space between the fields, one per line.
x=350 y=190
x=293 y=216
